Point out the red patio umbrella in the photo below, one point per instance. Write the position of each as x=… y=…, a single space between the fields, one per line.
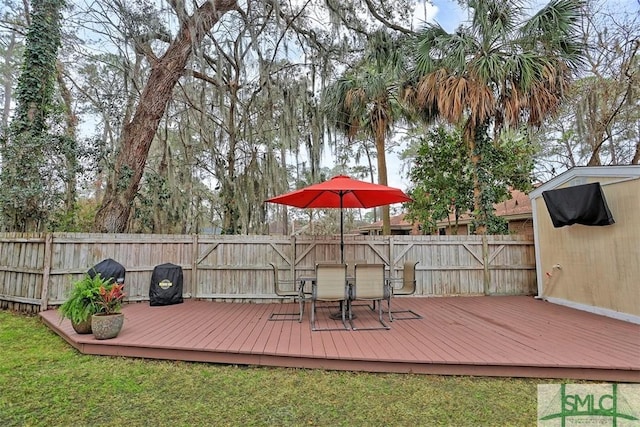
x=342 y=192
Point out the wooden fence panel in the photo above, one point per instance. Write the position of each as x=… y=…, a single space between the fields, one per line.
x=233 y=268
x=74 y=254
x=21 y=267
x=512 y=265
x=236 y=268
x=311 y=250
x=447 y=265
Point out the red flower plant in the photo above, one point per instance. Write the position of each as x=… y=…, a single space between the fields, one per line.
x=111 y=299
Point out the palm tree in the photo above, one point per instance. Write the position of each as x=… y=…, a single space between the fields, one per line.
x=500 y=70
x=364 y=101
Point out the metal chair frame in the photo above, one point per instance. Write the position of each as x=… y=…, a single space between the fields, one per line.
x=351 y=274
x=351 y=266
x=370 y=285
x=290 y=288
x=330 y=285
x=408 y=281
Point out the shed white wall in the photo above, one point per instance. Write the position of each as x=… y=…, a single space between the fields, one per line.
x=593 y=268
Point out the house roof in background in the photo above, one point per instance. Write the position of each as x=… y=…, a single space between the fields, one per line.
x=398 y=222
x=519 y=206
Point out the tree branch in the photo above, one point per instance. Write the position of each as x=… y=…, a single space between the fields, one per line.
x=373 y=10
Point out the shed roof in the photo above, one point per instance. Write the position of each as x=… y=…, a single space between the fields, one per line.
x=622 y=171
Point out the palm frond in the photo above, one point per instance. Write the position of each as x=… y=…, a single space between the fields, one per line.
x=489 y=68
x=426 y=47
x=556 y=29
x=495 y=20
x=501 y=68
x=453 y=97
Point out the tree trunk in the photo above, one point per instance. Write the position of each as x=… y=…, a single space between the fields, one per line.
x=229 y=184
x=122 y=187
x=594 y=160
x=636 y=156
x=70 y=154
x=382 y=179
x=7 y=78
x=470 y=137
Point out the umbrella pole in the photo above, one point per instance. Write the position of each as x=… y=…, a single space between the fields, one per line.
x=338 y=315
x=341 y=231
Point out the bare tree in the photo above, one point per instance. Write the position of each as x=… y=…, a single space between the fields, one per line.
x=138 y=133
x=599 y=121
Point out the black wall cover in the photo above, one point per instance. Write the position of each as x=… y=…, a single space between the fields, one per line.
x=580 y=204
x=166 y=285
x=108 y=269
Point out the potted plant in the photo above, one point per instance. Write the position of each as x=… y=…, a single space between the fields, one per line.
x=83 y=302
x=108 y=321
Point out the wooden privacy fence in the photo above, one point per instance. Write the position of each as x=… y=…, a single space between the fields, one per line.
x=37 y=270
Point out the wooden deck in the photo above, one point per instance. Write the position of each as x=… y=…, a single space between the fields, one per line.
x=485 y=336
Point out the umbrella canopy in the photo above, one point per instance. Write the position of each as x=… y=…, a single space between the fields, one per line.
x=342 y=192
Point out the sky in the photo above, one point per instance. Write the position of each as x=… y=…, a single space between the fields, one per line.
x=447 y=13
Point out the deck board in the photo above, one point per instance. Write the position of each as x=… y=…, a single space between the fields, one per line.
x=495 y=336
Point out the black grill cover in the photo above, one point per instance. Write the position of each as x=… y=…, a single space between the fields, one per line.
x=108 y=269
x=166 y=285
x=580 y=204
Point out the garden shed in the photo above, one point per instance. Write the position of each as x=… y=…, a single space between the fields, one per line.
x=587 y=240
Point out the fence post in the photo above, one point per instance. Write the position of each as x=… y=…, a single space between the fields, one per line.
x=293 y=265
x=485 y=265
x=392 y=259
x=195 y=286
x=46 y=271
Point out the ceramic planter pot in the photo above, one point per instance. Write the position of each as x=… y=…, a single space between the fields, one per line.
x=82 y=327
x=106 y=326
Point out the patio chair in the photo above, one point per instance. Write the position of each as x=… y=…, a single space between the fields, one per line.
x=408 y=287
x=351 y=271
x=351 y=265
x=370 y=285
x=330 y=285
x=289 y=288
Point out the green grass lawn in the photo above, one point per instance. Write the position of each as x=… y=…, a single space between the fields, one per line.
x=46 y=382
